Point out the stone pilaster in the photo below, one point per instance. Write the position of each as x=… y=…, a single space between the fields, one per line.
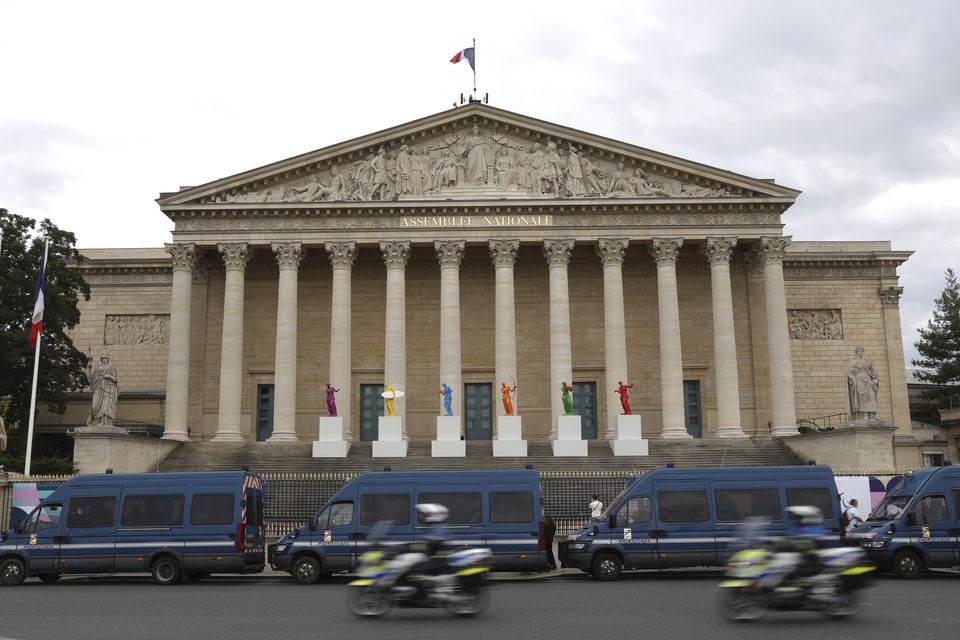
x=782 y=398
x=665 y=252
x=235 y=258
x=395 y=255
x=718 y=252
x=342 y=256
x=557 y=253
x=450 y=255
x=611 y=252
x=899 y=401
x=183 y=257
x=504 y=255
x=289 y=255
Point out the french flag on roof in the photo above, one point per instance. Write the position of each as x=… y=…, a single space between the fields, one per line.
x=37 y=325
x=464 y=54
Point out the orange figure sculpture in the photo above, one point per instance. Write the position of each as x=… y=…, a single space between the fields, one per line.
x=506 y=390
x=624 y=396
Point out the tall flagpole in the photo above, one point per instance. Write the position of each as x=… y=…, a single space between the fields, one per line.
x=36 y=369
x=474 y=66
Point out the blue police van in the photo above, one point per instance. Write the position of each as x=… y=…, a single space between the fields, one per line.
x=917 y=525
x=174 y=525
x=672 y=518
x=496 y=509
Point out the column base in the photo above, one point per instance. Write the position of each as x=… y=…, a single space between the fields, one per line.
x=283 y=437
x=448 y=443
x=785 y=431
x=228 y=436
x=730 y=432
x=676 y=433
x=509 y=442
x=179 y=436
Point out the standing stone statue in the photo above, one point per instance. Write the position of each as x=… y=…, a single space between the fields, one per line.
x=332 y=400
x=566 y=398
x=505 y=391
x=447 y=394
x=862 y=385
x=103 y=384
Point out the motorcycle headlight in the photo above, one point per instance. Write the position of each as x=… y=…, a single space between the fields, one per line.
x=576 y=546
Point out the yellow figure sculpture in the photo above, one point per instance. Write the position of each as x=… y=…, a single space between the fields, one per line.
x=389 y=394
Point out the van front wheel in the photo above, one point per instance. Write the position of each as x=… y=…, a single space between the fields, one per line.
x=607 y=566
x=906 y=564
x=166 y=570
x=12 y=572
x=306 y=570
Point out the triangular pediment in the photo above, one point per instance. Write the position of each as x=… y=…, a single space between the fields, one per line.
x=478 y=152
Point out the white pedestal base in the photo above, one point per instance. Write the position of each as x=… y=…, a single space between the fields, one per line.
x=390 y=442
x=628 y=440
x=330 y=442
x=509 y=442
x=569 y=440
x=448 y=443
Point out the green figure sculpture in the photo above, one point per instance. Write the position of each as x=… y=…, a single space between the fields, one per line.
x=567 y=399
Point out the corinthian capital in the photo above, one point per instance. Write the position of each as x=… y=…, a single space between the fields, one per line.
x=665 y=250
x=342 y=254
x=235 y=255
x=611 y=250
x=449 y=253
x=395 y=253
x=557 y=252
x=772 y=248
x=719 y=250
x=183 y=254
x=504 y=252
x=289 y=254
x=890 y=296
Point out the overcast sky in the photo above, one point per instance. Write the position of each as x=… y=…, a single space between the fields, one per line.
x=105 y=104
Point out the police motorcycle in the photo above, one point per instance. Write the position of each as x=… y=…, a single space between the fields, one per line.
x=421 y=575
x=790 y=574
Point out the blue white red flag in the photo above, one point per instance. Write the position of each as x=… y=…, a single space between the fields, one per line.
x=465 y=54
x=37 y=325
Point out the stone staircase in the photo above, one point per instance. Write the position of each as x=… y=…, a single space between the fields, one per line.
x=296 y=457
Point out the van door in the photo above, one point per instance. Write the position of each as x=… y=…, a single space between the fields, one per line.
x=42 y=534
x=386 y=515
x=684 y=528
x=90 y=534
x=464 y=525
x=150 y=517
x=214 y=537
x=335 y=536
x=736 y=501
x=513 y=529
x=928 y=523
x=954 y=529
x=631 y=530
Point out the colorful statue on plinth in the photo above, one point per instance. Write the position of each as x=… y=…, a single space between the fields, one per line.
x=624 y=397
x=332 y=400
x=567 y=399
x=506 y=390
x=447 y=394
x=389 y=394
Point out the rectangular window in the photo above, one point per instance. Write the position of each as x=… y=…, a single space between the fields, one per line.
x=514 y=506
x=92 y=512
x=212 y=508
x=933 y=459
x=341 y=514
x=152 y=511
x=636 y=511
x=734 y=505
x=465 y=508
x=683 y=506
x=45 y=517
x=931 y=509
x=819 y=498
x=385 y=507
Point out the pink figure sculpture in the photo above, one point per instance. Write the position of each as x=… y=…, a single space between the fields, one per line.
x=624 y=397
x=331 y=400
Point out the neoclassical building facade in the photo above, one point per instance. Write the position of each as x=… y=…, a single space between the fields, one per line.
x=481 y=248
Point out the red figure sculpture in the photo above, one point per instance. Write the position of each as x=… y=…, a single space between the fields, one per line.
x=507 y=402
x=624 y=397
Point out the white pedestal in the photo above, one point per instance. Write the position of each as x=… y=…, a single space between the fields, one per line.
x=569 y=440
x=390 y=442
x=628 y=440
x=448 y=443
x=330 y=442
x=509 y=442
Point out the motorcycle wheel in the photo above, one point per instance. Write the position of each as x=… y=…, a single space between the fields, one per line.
x=470 y=602
x=368 y=602
x=739 y=605
x=846 y=605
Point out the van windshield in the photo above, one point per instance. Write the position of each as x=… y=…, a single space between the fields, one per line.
x=890 y=508
x=614 y=505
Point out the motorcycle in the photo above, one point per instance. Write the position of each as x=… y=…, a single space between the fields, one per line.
x=392 y=577
x=760 y=578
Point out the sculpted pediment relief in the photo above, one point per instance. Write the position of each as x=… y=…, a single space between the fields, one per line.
x=479 y=157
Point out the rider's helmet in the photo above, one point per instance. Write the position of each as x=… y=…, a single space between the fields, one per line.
x=805 y=515
x=433 y=513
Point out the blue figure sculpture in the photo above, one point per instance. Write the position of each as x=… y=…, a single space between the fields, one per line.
x=447 y=394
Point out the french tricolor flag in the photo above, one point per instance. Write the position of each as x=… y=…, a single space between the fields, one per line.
x=37 y=325
x=465 y=54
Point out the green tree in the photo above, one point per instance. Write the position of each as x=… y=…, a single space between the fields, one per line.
x=61 y=364
x=939 y=346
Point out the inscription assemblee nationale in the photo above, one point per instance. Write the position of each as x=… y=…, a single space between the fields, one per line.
x=477 y=221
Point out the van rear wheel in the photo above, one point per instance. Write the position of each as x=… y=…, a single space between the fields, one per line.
x=607 y=566
x=166 y=570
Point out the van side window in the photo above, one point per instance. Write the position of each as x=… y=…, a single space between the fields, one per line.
x=512 y=506
x=931 y=509
x=734 y=505
x=815 y=497
x=152 y=511
x=212 y=508
x=465 y=508
x=46 y=517
x=341 y=514
x=379 y=507
x=92 y=512
x=956 y=502
x=635 y=511
x=683 y=506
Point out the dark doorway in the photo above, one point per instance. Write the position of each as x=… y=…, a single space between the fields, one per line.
x=478 y=411
x=371 y=408
x=264 y=411
x=691 y=408
x=585 y=406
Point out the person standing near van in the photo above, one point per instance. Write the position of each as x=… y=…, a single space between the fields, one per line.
x=853 y=515
x=549 y=532
x=596 y=508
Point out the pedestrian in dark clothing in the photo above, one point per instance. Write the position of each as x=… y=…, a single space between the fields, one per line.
x=549 y=531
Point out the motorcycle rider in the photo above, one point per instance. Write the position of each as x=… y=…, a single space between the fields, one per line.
x=807 y=528
x=433 y=564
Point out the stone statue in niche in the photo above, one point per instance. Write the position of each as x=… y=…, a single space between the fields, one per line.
x=862 y=385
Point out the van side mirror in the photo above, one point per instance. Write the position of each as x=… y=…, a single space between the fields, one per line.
x=612 y=521
x=313 y=524
x=19 y=528
x=596 y=529
x=912 y=519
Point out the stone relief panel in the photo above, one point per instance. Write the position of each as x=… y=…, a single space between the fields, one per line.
x=480 y=162
x=136 y=329
x=815 y=324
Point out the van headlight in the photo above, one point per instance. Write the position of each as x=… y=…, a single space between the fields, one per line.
x=874 y=544
x=280 y=548
x=576 y=546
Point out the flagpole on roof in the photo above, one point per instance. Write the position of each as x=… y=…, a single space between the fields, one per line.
x=474 y=66
x=36 y=369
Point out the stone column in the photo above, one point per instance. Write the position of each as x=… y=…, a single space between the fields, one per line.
x=782 y=400
x=395 y=254
x=671 y=360
x=899 y=401
x=178 y=345
x=342 y=255
x=614 y=328
x=231 y=345
x=289 y=255
x=718 y=252
x=450 y=254
x=504 y=254
x=558 y=253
